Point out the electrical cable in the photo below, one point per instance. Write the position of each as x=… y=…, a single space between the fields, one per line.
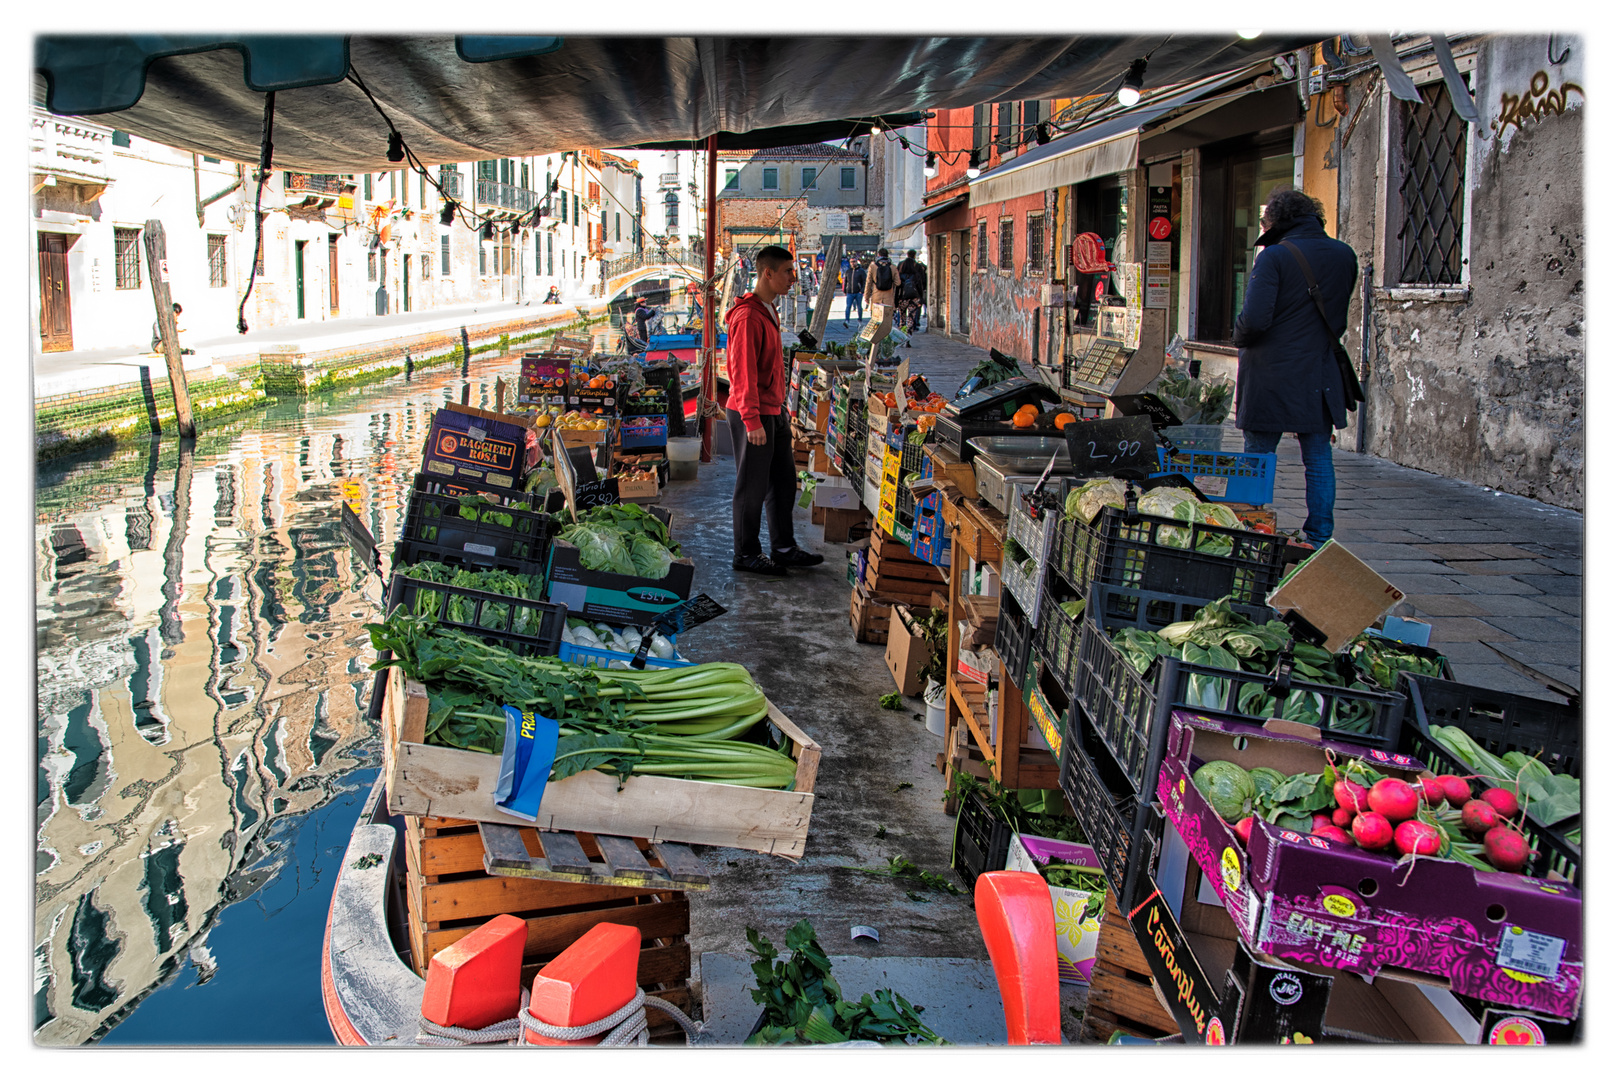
x=266 y=152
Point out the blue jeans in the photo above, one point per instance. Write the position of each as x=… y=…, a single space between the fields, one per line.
x=854 y=302
x=1320 y=481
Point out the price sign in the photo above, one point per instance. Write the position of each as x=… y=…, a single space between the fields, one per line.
x=359 y=538
x=1147 y=405
x=694 y=612
x=1123 y=447
x=596 y=493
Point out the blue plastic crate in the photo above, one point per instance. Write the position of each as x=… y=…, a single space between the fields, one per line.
x=583 y=654
x=1223 y=475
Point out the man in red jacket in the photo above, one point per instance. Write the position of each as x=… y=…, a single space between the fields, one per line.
x=760 y=437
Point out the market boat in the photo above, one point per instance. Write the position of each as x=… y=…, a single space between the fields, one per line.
x=371 y=993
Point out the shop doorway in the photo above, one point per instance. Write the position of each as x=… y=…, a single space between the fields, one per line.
x=297 y=269
x=960 y=265
x=331 y=269
x=404 y=282
x=55 y=297
x=1237 y=178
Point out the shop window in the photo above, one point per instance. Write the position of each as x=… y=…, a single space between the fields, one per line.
x=983 y=243
x=1432 y=189
x=1036 y=244
x=847 y=181
x=216 y=261
x=126 y=248
x=1237 y=180
x=1006 y=225
x=1102 y=209
x=443 y=255
x=120 y=138
x=771 y=179
x=809 y=179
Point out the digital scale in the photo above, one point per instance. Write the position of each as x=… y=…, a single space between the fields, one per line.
x=1098 y=368
x=988 y=412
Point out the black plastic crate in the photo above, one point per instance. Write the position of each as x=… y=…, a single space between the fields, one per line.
x=436 y=519
x=1118 y=825
x=1132 y=554
x=1130 y=711
x=526 y=627
x=1013 y=640
x=410 y=552
x=981 y=841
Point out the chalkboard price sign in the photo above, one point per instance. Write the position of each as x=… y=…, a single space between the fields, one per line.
x=1123 y=447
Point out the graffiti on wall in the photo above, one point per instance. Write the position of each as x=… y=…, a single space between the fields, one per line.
x=1536 y=103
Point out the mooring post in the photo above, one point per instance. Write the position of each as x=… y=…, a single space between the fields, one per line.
x=157 y=270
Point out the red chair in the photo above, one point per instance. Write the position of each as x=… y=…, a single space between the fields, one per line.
x=1019 y=930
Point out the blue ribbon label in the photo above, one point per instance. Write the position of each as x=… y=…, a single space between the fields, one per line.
x=525 y=762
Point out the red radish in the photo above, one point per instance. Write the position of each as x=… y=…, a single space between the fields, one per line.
x=1342 y=818
x=1351 y=796
x=1393 y=799
x=1505 y=848
x=1416 y=838
x=1372 y=831
x=1478 y=816
x=1456 y=790
x=1244 y=829
x=1332 y=832
x=1321 y=819
x=1504 y=801
x=1432 y=791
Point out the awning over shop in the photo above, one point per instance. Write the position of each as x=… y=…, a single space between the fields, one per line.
x=1099 y=150
x=473 y=98
x=928 y=212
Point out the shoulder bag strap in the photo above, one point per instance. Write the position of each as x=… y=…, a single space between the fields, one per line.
x=1309 y=279
x=1351 y=380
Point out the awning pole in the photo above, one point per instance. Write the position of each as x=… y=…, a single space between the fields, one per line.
x=710 y=317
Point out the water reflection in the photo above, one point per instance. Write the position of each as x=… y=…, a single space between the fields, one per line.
x=201 y=676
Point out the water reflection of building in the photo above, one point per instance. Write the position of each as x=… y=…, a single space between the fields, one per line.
x=201 y=670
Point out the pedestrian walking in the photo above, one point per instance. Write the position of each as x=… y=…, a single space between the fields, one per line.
x=1288 y=377
x=912 y=289
x=881 y=281
x=766 y=476
x=854 y=291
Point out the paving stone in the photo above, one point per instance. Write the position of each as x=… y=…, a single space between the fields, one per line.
x=1573 y=605
x=1389 y=536
x=1467 y=652
x=1498 y=605
x=1505 y=551
x=1565 y=565
x=1529 y=629
x=1433 y=584
x=1465 y=629
x=1445 y=605
x=1373 y=550
x=1388 y=567
x=1484 y=584
x=1450 y=535
x=1457 y=551
x=1500 y=677
x=1545 y=656
x=1550 y=584
x=1504 y=567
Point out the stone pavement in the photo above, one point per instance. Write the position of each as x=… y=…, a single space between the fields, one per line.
x=1490 y=571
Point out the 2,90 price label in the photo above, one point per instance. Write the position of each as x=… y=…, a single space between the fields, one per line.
x=1122 y=447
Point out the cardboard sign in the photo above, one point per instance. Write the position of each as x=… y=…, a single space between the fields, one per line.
x=1149 y=405
x=1336 y=593
x=694 y=612
x=548 y=368
x=1123 y=447
x=359 y=538
x=1191 y=998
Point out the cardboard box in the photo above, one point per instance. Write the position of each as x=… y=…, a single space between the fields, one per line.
x=907 y=653
x=581 y=436
x=1337 y=593
x=1077 y=934
x=836 y=494
x=1302 y=898
x=841 y=523
x=617 y=599
x=478 y=447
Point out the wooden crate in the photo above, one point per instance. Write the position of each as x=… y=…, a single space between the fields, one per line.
x=438 y=781
x=446 y=901
x=980 y=532
x=869 y=616
x=1122 y=994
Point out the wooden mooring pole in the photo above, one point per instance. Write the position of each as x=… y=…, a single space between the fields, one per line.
x=157 y=271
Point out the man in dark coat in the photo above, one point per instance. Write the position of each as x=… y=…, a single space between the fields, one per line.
x=1288 y=379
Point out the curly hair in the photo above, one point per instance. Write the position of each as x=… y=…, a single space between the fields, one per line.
x=1287 y=204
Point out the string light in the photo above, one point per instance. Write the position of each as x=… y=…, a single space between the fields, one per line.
x=395 y=146
x=930 y=169
x=1248 y=35
x=1129 y=92
x=972 y=169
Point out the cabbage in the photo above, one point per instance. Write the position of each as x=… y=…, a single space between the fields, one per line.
x=651 y=559
x=1086 y=501
x=601 y=550
x=1227 y=787
x=1166 y=502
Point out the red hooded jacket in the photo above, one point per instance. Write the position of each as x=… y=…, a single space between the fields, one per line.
x=753 y=361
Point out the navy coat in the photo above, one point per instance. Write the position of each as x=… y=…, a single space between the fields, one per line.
x=1287 y=379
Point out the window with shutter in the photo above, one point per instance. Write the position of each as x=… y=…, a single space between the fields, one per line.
x=809 y=179
x=771 y=179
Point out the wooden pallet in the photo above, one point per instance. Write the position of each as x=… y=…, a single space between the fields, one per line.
x=457 y=897
x=1122 y=994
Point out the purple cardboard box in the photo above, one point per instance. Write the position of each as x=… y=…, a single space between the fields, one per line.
x=1077 y=935
x=1501 y=937
x=477 y=447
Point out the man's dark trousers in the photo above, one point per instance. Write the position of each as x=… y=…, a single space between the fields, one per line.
x=766 y=477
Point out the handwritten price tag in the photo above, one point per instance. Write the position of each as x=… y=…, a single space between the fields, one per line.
x=1122 y=447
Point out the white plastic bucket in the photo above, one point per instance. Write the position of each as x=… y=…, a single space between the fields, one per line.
x=937 y=722
x=683 y=455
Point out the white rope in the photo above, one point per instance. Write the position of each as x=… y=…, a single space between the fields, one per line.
x=626 y=1026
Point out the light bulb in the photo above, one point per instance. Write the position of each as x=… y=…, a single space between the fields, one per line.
x=1134 y=79
x=1248 y=35
x=972 y=169
x=875 y=130
x=1127 y=96
x=930 y=169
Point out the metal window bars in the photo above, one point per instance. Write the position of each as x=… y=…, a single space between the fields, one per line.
x=1432 y=189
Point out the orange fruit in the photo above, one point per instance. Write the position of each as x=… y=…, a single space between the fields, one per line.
x=1062 y=420
x=1023 y=420
x=1030 y=409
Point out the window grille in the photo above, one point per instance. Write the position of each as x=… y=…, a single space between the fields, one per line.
x=1005 y=243
x=983 y=243
x=1433 y=189
x=126 y=246
x=1036 y=243
x=216 y=261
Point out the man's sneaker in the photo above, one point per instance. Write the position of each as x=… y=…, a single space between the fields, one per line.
x=798 y=557
x=758 y=564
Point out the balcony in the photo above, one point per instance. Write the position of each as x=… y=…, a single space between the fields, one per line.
x=519 y=200
x=312 y=185
x=668 y=180
x=450 y=181
x=71 y=151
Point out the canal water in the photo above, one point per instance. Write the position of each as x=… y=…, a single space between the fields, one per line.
x=203 y=748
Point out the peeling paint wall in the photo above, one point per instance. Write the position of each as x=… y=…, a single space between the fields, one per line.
x=1006 y=313
x=1487 y=384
